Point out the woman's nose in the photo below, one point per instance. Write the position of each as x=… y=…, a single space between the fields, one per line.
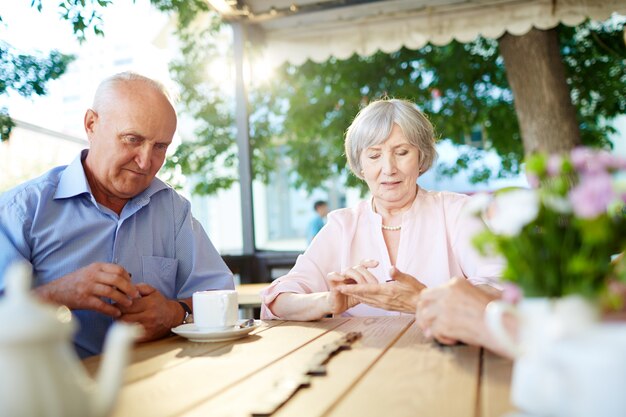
x=389 y=164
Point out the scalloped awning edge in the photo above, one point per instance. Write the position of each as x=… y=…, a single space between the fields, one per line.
x=341 y=40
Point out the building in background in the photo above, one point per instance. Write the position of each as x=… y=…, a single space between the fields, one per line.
x=34 y=150
x=50 y=133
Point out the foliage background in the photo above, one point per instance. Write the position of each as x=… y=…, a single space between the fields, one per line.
x=302 y=113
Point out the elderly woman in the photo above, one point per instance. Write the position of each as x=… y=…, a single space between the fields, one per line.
x=375 y=258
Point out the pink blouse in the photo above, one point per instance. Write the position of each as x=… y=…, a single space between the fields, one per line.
x=435 y=245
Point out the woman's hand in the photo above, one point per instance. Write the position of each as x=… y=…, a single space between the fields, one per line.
x=358 y=274
x=338 y=302
x=399 y=294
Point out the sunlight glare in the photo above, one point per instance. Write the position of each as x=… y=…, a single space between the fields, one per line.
x=220 y=71
x=259 y=71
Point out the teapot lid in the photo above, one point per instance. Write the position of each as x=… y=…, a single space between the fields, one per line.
x=23 y=317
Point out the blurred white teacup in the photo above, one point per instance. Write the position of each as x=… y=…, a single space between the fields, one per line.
x=540 y=322
x=588 y=372
x=215 y=310
x=566 y=363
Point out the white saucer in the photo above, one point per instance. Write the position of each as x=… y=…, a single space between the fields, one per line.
x=191 y=332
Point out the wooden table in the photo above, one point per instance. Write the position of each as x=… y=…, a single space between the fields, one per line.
x=249 y=298
x=391 y=371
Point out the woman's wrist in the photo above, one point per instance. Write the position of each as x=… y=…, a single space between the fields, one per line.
x=325 y=305
x=301 y=307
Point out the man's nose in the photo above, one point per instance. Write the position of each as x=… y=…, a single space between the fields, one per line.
x=143 y=157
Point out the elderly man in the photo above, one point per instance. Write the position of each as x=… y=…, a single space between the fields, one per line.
x=106 y=237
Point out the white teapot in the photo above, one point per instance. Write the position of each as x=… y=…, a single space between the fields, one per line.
x=40 y=372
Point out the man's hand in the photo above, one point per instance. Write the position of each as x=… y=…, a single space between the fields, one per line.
x=399 y=294
x=85 y=289
x=454 y=311
x=154 y=312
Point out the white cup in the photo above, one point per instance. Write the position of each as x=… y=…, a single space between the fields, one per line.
x=590 y=370
x=566 y=364
x=541 y=321
x=215 y=310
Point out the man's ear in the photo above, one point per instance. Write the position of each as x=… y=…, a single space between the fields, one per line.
x=91 y=117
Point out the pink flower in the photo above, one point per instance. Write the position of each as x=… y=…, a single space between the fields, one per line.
x=555 y=162
x=614 y=162
x=589 y=161
x=580 y=156
x=592 y=195
x=533 y=180
x=511 y=293
x=609 y=161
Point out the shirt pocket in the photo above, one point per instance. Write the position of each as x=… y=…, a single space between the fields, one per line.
x=160 y=273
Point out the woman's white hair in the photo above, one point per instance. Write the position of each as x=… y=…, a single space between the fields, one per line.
x=373 y=125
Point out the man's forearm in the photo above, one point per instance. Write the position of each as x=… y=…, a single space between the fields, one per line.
x=46 y=293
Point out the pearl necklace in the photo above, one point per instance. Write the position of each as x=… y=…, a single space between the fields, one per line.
x=384 y=227
x=391 y=228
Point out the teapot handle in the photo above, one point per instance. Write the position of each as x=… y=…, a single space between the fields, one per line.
x=494 y=318
x=19 y=276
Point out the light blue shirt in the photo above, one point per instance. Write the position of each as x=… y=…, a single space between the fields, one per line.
x=315 y=225
x=55 y=223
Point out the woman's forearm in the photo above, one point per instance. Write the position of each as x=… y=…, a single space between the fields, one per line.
x=301 y=307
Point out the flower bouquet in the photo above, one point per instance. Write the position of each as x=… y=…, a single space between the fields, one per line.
x=560 y=237
x=562 y=241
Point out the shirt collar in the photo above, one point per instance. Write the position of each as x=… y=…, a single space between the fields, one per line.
x=74 y=182
x=143 y=198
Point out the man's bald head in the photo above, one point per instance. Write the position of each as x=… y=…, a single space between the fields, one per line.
x=109 y=86
x=129 y=128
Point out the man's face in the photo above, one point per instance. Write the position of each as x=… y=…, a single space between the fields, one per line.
x=129 y=134
x=322 y=210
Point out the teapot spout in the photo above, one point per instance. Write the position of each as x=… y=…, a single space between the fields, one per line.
x=115 y=357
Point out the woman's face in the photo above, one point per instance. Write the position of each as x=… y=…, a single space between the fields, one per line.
x=391 y=169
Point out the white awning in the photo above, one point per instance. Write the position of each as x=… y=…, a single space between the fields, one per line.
x=297 y=30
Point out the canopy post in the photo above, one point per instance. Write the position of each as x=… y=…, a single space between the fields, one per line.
x=243 y=140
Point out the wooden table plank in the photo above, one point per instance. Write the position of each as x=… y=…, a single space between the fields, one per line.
x=495 y=391
x=393 y=371
x=343 y=369
x=176 y=389
x=149 y=358
x=415 y=377
x=249 y=299
x=248 y=294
